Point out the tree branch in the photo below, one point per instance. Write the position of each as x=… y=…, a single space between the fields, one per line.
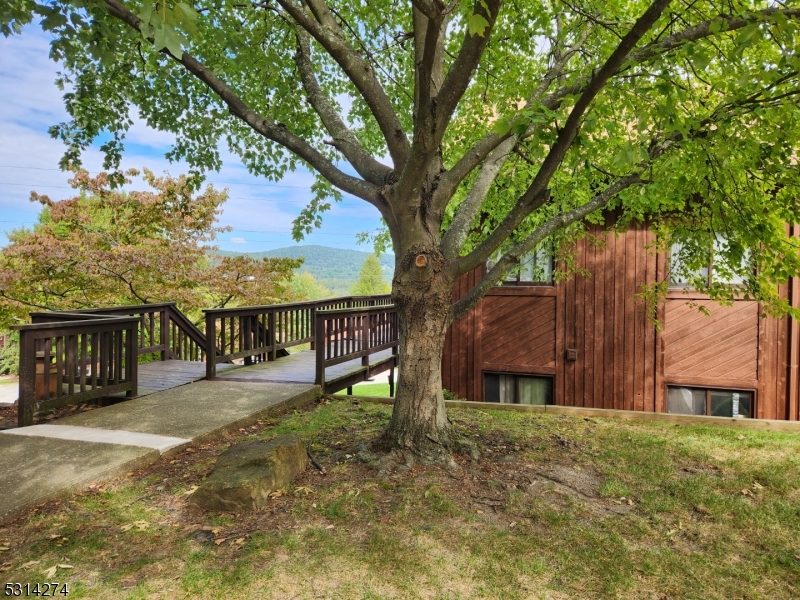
x=456 y=234
x=435 y=111
x=559 y=221
x=536 y=194
x=344 y=139
x=331 y=37
x=277 y=132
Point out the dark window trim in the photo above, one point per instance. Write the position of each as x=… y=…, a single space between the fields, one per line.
x=517 y=283
x=672 y=287
x=517 y=375
x=709 y=389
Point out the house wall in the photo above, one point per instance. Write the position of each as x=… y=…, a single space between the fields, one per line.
x=621 y=360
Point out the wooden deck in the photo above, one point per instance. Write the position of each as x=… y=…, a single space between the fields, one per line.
x=163 y=375
x=296 y=368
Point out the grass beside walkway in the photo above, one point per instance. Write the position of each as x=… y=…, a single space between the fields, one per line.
x=557 y=507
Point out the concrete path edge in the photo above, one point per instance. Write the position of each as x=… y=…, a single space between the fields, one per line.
x=149 y=457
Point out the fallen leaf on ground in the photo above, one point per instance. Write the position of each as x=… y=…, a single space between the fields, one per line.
x=30 y=564
x=218 y=541
x=6 y=566
x=4 y=548
x=276 y=494
x=51 y=571
x=140 y=525
x=757 y=486
x=65 y=566
x=191 y=491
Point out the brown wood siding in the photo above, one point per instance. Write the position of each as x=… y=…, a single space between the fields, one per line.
x=622 y=361
x=721 y=345
x=519 y=331
x=615 y=342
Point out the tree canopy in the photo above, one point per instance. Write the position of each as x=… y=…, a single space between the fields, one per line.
x=471 y=126
x=105 y=248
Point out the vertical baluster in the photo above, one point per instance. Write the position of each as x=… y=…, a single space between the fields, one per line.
x=59 y=366
x=83 y=362
x=118 y=357
x=95 y=358
x=152 y=328
x=103 y=364
x=47 y=358
x=71 y=358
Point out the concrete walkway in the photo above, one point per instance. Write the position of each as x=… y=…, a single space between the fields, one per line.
x=44 y=462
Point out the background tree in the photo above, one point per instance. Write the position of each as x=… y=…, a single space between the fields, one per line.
x=370 y=279
x=304 y=286
x=503 y=124
x=105 y=248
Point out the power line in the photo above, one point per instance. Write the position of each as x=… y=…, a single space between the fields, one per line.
x=278 y=185
x=234 y=230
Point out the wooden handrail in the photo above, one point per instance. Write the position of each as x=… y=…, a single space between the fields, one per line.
x=69 y=361
x=347 y=334
x=259 y=333
x=164 y=328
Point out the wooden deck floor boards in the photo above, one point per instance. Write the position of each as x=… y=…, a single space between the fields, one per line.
x=163 y=375
x=296 y=368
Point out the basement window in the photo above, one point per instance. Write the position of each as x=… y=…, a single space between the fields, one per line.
x=518 y=389
x=535 y=268
x=712 y=402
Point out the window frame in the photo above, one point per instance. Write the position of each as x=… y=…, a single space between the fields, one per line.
x=516 y=376
x=709 y=277
x=708 y=390
x=515 y=281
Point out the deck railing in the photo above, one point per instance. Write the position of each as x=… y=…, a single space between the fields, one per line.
x=75 y=358
x=68 y=357
x=343 y=335
x=164 y=329
x=262 y=333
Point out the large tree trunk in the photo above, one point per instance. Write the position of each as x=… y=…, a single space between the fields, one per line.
x=419 y=422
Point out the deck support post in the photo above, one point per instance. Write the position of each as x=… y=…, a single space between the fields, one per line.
x=164 y=330
x=211 y=346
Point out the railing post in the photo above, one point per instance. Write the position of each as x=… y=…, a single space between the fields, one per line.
x=365 y=322
x=312 y=327
x=319 y=338
x=27 y=379
x=132 y=358
x=273 y=336
x=164 y=316
x=211 y=346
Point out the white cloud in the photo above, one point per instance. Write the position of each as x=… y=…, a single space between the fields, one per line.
x=30 y=104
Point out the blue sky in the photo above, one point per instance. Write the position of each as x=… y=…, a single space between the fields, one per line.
x=260 y=212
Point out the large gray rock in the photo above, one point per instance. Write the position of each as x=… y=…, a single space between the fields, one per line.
x=246 y=474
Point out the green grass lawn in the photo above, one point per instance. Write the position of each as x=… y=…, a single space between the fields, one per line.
x=375 y=390
x=557 y=507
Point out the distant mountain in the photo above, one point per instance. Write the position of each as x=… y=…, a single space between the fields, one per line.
x=335 y=268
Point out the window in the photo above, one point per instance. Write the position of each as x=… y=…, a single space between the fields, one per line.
x=536 y=267
x=679 y=279
x=716 y=403
x=518 y=389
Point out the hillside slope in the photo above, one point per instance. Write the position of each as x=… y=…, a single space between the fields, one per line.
x=335 y=268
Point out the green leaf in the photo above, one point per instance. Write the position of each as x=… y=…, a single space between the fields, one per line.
x=477 y=25
x=167 y=37
x=502 y=126
x=185 y=12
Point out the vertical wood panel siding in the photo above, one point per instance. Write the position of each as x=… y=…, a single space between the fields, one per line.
x=622 y=361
